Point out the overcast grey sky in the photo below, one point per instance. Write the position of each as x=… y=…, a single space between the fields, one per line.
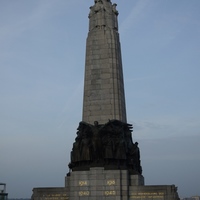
x=42 y=52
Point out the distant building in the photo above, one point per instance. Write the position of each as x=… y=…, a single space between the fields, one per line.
x=3 y=194
x=192 y=198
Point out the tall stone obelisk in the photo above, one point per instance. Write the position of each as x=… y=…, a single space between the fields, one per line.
x=105 y=162
x=104 y=97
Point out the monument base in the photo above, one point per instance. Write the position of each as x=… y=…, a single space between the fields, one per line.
x=100 y=184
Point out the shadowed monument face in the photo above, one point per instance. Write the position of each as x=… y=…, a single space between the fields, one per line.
x=106 y=145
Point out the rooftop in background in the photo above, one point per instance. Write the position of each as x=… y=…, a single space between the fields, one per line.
x=3 y=194
x=192 y=198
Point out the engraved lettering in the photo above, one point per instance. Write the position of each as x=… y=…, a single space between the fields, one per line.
x=84 y=193
x=110 y=193
x=147 y=195
x=110 y=182
x=82 y=183
x=55 y=197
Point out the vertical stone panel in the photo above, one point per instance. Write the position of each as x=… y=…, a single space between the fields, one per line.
x=103 y=85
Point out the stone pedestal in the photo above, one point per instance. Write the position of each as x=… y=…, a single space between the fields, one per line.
x=100 y=184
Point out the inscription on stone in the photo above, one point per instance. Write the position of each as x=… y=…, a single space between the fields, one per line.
x=110 y=193
x=82 y=183
x=110 y=182
x=84 y=193
x=55 y=197
x=147 y=195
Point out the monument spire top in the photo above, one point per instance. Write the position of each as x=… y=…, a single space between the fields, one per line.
x=103 y=14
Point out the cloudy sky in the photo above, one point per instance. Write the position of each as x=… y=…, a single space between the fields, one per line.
x=42 y=56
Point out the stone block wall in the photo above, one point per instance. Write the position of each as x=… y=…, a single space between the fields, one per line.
x=98 y=184
x=104 y=96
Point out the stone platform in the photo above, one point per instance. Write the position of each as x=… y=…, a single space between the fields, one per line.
x=100 y=184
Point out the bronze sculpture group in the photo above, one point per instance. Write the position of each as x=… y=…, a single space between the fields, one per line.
x=109 y=145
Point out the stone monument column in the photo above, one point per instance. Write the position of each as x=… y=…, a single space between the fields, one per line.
x=105 y=162
x=104 y=97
